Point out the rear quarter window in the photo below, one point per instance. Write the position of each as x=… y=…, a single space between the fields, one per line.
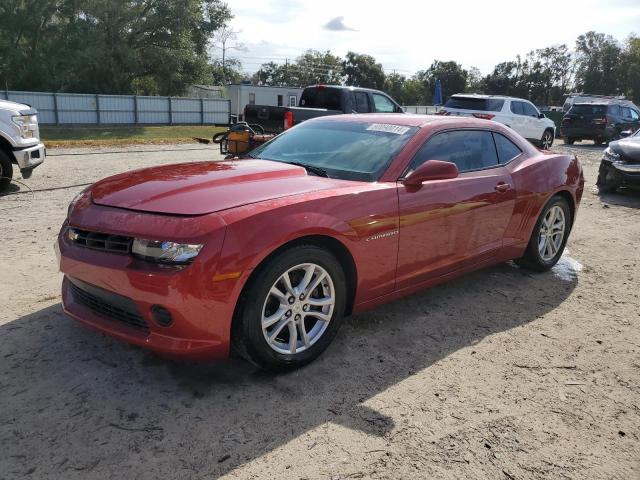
x=507 y=150
x=472 y=103
x=329 y=98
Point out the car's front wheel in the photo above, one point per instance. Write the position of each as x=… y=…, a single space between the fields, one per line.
x=291 y=310
x=549 y=236
x=547 y=140
x=6 y=171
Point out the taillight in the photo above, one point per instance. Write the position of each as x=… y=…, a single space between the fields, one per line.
x=484 y=116
x=599 y=121
x=288 y=119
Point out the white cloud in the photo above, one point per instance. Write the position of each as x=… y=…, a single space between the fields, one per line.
x=408 y=36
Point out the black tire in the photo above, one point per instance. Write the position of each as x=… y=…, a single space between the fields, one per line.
x=599 y=141
x=606 y=182
x=248 y=339
x=546 y=142
x=6 y=171
x=532 y=258
x=569 y=140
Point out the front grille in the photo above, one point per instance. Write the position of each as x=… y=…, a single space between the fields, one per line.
x=107 y=304
x=100 y=241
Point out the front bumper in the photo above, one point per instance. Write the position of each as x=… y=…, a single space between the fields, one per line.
x=625 y=174
x=201 y=308
x=30 y=157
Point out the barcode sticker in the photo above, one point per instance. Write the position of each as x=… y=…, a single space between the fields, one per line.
x=388 y=128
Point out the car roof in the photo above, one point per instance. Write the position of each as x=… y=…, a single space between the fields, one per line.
x=405 y=119
x=602 y=102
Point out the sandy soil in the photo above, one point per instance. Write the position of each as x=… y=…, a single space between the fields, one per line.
x=501 y=374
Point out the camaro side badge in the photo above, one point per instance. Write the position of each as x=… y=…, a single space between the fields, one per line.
x=390 y=233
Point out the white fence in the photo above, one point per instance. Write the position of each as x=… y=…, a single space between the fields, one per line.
x=90 y=109
x=420 y=109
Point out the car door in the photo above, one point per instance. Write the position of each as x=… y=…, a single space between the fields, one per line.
x=361 y=102
x=630 y=119
x=449 y=224
x=534 y=126
x=517 y=120
x=383 y=104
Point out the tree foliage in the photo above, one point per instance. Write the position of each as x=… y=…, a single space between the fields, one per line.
x=363 y=71
x=107 y=46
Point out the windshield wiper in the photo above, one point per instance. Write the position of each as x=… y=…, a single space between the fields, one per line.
x=321 y=172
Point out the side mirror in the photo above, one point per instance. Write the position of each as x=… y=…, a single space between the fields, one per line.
x=431 y=170
x=626 y=133
x=542 y=115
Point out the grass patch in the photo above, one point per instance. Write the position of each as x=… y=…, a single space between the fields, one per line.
x=56 y=137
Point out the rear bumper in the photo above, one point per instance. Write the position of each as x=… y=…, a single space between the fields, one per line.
x=602 y=131
x=30 y=157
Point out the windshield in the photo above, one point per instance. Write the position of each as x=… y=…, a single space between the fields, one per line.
x=474 y=103
x=588 y=110
x=345 y=150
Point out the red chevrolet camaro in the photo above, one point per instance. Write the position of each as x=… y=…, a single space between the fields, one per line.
x=265 y=255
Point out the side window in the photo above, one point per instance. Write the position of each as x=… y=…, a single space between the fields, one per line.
x=361 y=101
x=383 y=104
x=516 y=107
x=614 y=110
x=634 y=115
x=529 y=110
x=468 y=149
x=507 y=150
x=293 y=99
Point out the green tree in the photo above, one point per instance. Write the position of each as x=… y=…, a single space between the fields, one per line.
x=597 y=62
x=108 y=46
x=363 y=71
x=451 y=74
x=629 y=69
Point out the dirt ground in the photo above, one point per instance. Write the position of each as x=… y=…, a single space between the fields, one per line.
x=502 y=374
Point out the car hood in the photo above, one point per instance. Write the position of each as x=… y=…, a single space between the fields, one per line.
x=12 y=106
x=206 y=187
x=628 y=148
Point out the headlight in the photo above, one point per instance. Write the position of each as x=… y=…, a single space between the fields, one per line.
x=165 y=251
x=26 y=124
x=612 y=156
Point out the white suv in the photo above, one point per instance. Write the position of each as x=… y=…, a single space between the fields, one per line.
x=517 y=113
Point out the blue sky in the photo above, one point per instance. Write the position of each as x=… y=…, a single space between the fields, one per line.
x=407 y=36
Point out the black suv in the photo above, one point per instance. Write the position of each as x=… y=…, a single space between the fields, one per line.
x=599 y=120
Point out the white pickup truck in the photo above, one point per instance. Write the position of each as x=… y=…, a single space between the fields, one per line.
x=19 y=141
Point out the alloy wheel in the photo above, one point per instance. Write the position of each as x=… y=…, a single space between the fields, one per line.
x=552 y=233
x=298 y=308
x=547 y=140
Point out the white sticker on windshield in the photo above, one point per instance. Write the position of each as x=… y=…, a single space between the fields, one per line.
x=388 y=128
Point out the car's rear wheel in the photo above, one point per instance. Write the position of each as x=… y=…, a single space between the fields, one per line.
x=569 y=140
x=547 y=140
x=549 y=236
x=6 y=171
x=292 y=309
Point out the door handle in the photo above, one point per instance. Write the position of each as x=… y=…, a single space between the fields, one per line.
x=502 y=187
